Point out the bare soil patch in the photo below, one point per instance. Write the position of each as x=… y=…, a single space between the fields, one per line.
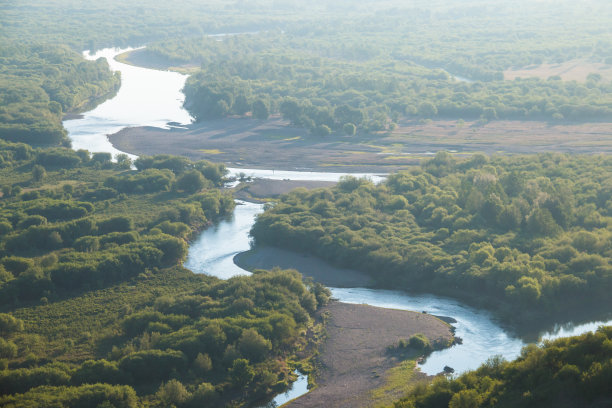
x=273 y=144
x=355 y=357
x=574 y=70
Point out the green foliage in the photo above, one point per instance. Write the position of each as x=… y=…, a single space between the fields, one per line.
x=241 y=372
x=526 y=233
x=191 y=181
x=573 y=371
x=40 y=83
x=96 y=246
x=96 y=395
x=420 y=342
x=9 y=325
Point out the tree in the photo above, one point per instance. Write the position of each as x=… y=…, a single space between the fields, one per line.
x=191 y=181
x=322 y=130
x=241 y=372
x=123 y=161
x=346 y=114
x=241 y=105
x=102 y=159
x=427 y=110
x=261 y=109
x=349 y=129
x=253 y=345
x=465 y=399
x=173 y=393
x=9 y=324
x=203 y=363
x=489 y=113
x=291 y=110
x=38 y=173
x=8 y=349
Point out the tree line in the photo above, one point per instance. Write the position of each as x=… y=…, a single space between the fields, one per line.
x=528 y=236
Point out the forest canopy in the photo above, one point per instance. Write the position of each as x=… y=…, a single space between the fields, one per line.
x=95 y=307
x=528 y=234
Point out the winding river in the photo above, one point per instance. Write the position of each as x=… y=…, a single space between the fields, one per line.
x=153 y=98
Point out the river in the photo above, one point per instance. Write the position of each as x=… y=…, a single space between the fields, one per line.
x=153 y=98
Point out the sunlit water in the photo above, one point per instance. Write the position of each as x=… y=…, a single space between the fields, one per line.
x=483 y=337
x=153 y=98
x=301 y=175
x=298 y=388
x=147 y=97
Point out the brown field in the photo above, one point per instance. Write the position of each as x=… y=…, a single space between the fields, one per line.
x=249 y=143
x=574 y=70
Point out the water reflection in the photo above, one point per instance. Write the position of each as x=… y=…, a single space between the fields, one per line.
x=146 y=98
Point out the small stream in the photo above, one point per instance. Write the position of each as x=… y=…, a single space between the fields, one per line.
x=153 y=98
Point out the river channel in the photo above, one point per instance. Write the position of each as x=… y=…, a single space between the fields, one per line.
x=153 y=98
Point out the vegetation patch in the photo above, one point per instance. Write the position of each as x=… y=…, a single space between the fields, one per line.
x=525 y=235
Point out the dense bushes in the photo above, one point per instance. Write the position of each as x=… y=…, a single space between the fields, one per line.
x=85 y=396
x=96 y=246
x=574 y=371
x=233 y=335
x=40 y=83
x=530 y=232
x=226 y=341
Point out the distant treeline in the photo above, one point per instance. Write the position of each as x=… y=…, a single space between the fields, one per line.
x=530 y=234
x=278 y=73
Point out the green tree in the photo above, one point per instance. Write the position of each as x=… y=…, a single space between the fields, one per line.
x=253 y=346
x=9 y=324
x=191 y=181
x=261 y=109
x=427 y=110
x=173 y=393
x=241 y=372
x=123 y=161
x=38 y=173
x=349 y=129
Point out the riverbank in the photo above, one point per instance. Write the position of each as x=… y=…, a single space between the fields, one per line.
x=527 y=324
x=355 y=365
x=309 y=266
x=261 y=190
x=273 y=144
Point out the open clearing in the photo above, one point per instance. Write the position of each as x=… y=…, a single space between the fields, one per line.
x=574 y=70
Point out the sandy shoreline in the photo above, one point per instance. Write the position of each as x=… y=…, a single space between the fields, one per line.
x=355 y=358
x=309 y=266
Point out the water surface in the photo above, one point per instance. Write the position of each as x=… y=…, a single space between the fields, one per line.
x=147 y=97
x=153 y=98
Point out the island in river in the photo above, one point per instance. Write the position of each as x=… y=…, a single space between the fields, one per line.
x=274 y=144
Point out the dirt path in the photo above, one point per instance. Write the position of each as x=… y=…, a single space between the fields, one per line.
x=355 y=356
x=249 y=143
